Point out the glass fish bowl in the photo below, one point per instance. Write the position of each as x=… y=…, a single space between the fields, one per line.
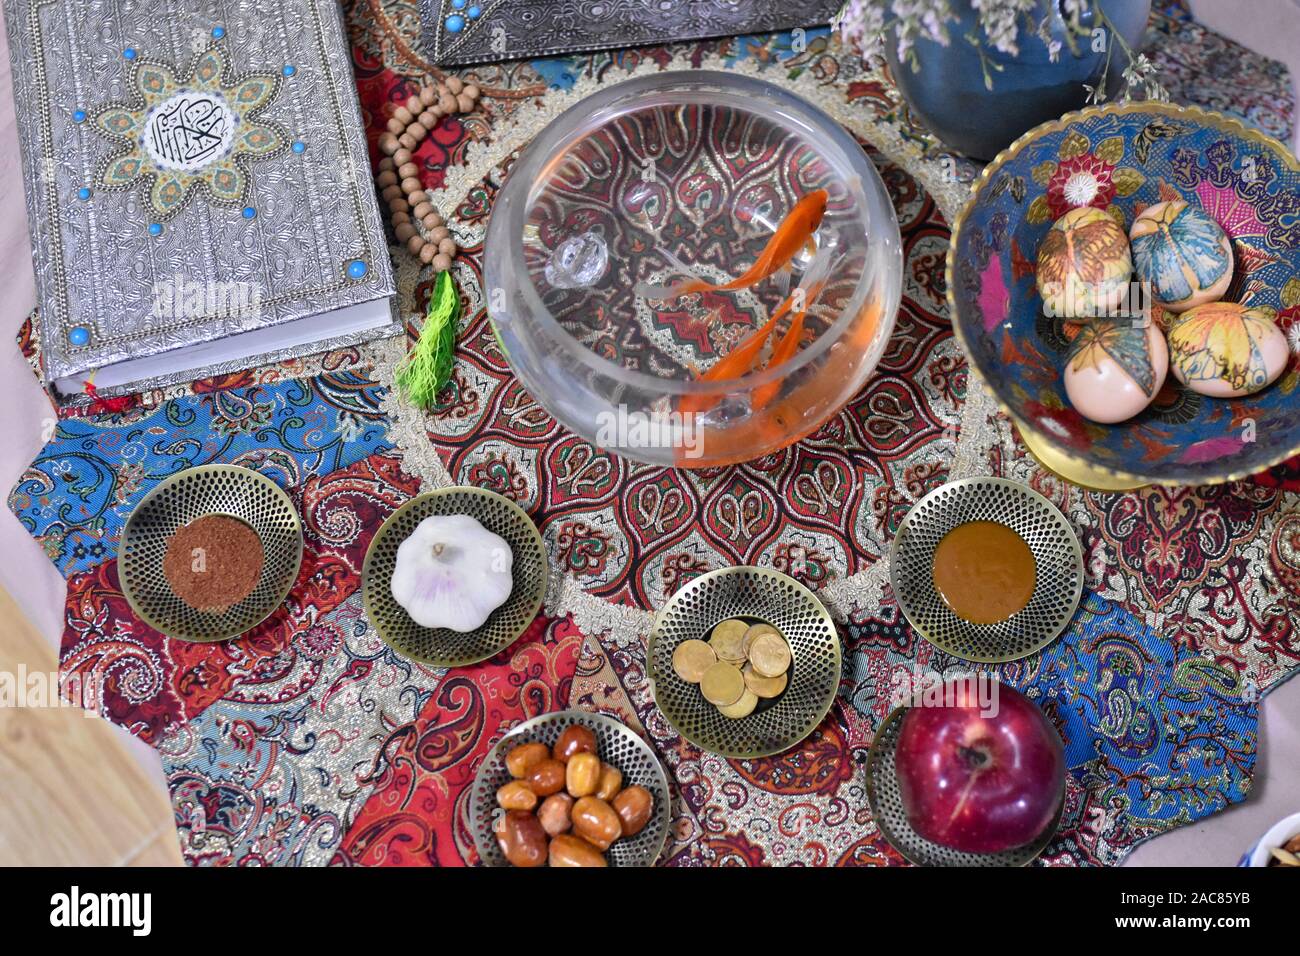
x=693 y=268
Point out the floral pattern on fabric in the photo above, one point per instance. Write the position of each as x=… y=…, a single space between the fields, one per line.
x=418 y=811
x=150 y=683
x=76 y=496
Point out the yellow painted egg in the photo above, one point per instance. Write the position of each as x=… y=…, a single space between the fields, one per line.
x=1183 y=253
x=1224 y=349
x=1084 y=265
x=1114 y=369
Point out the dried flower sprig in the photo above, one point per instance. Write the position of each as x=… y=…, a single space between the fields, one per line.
x=866 y=24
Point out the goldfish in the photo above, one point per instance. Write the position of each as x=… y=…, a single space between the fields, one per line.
x=797 y=413
x=793 y=234
x=786 y=348
x=735 y=363
x=742 y=359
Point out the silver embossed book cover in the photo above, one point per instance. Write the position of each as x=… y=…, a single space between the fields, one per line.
x=198 y=191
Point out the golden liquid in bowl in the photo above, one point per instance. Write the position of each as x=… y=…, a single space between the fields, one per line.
x=984 y=571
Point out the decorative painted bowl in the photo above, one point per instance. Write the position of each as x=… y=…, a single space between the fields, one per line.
x=690 y=170
x=1129 y=156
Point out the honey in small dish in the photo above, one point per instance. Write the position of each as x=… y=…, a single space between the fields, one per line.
x=984 y=571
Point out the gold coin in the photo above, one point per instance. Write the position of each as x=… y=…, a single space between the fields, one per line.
x=691 y=659
x=726 y=639
x=770 y=655
x=722 y=684
x=753 y=632
x=763 y=686
x=741 y=708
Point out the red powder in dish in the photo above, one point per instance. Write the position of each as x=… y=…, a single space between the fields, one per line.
x=214 y=562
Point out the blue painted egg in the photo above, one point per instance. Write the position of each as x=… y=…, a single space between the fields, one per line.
x=1183 y=253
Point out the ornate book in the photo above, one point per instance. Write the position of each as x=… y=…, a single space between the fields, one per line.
x=199 y=195
x=460 y=32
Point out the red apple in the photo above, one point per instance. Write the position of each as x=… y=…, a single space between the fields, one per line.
x=979 y=779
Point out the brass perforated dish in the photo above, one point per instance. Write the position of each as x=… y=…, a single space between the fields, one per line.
x=756 y=595
x=887 y=810
x=230 y=490
x=443 y=647
x=1057 y=556
x=616 y=744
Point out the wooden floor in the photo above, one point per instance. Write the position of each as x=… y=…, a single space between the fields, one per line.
x=71 y=793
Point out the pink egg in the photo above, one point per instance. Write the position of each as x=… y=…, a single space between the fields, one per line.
x=1114 y=369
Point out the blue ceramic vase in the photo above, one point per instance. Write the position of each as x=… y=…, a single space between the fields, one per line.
x=947 y=93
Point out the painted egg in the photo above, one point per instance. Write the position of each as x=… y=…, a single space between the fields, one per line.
x=1183 y=253
x=1084 y=265
x=1114 y=369
x=1223 y=349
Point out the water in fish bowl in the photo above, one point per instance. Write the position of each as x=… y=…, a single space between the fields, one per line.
x=682 y=238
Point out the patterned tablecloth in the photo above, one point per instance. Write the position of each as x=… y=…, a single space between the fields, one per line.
x=309 y=741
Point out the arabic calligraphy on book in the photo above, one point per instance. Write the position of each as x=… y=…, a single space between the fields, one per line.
x=189 y=130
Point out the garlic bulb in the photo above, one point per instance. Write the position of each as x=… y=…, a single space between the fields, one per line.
x=452 y=572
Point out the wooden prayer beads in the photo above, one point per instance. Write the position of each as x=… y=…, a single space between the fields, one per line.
x=399 y=176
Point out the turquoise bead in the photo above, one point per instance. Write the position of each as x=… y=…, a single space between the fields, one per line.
x=79 y=336
x=455 y=23
x=357 y=269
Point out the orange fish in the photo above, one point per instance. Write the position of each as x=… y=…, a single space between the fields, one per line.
x=786 y=348
x=744 y=356
x=794 y=415
x=788 y=345
x=794 y=233
x=735 y=363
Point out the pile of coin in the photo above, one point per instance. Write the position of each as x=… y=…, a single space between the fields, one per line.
x=740 y=663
